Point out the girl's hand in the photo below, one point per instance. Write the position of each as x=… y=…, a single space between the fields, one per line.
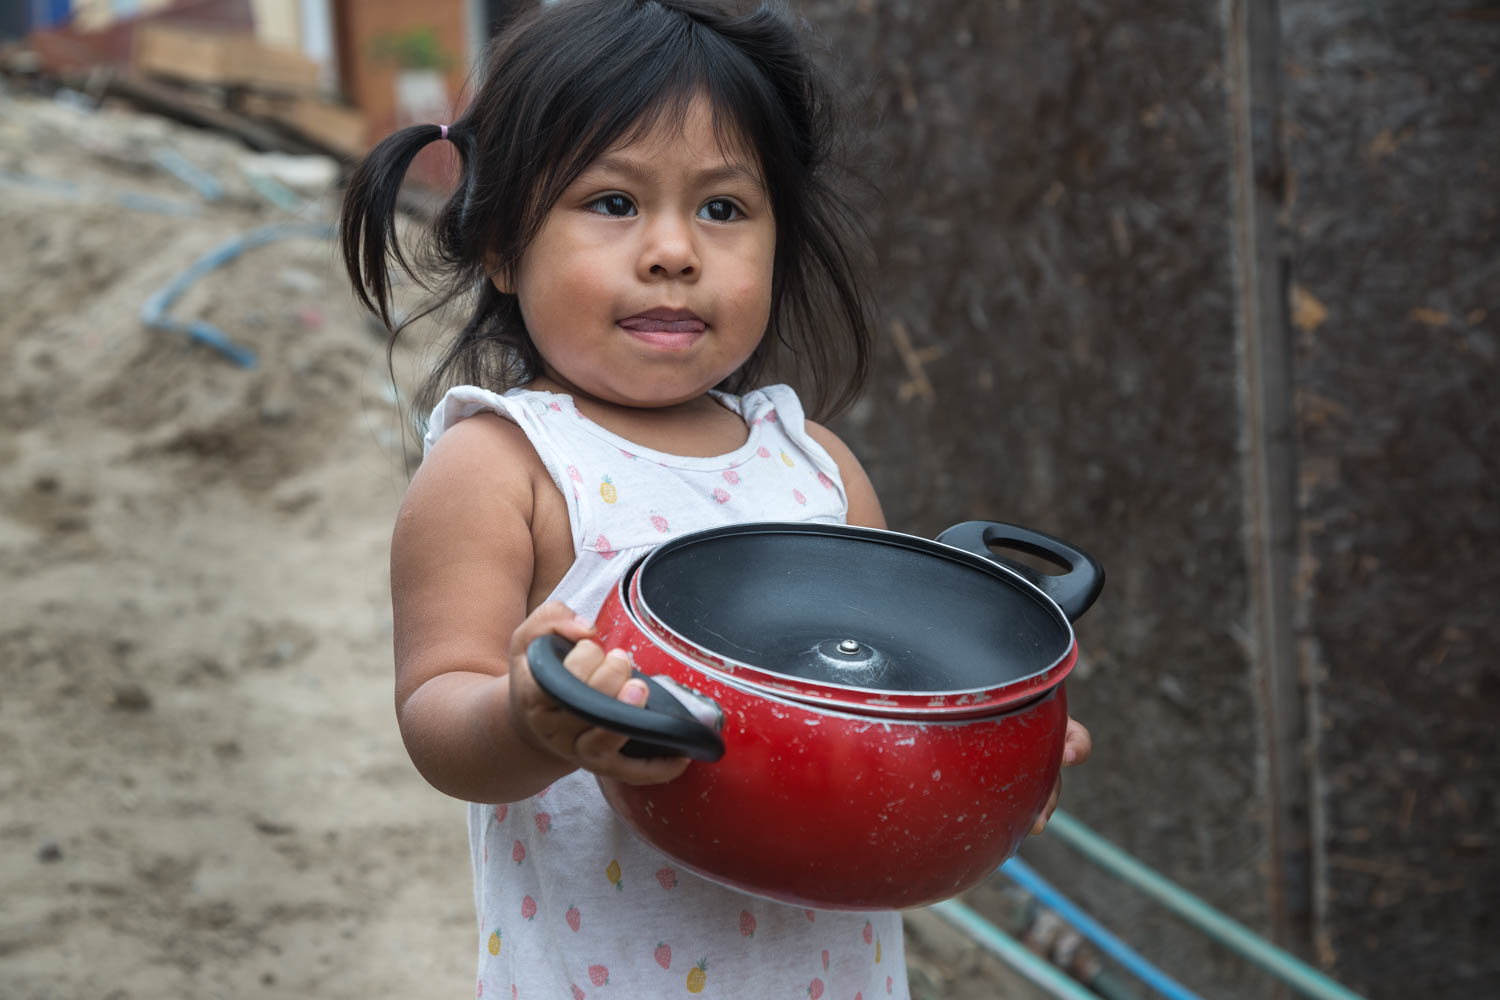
x=547 y=726
x=1077 y=745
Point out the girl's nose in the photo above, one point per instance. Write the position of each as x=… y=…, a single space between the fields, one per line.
x=669 y=251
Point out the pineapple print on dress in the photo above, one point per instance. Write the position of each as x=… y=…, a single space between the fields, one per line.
x=494 y=942
x=607 y=490
x=615 y=876
x=697 y=978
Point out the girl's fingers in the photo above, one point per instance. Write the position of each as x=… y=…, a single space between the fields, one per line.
x=551 y=617
x=1077 y=744
x=609 y=674
x=1051 y=807
x=599 y=751
x=648 y=772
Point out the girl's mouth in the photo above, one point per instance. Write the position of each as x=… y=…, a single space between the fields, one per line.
x=669 y=328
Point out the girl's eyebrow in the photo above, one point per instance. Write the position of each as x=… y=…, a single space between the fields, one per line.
x=641 y=170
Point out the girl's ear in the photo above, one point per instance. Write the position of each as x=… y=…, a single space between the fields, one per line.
x=498 y=274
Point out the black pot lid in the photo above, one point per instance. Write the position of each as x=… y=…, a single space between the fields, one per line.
x=854 y=616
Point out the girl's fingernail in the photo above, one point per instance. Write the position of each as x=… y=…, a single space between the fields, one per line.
x=583 y=623
x=1070 y=755
x=635 y=693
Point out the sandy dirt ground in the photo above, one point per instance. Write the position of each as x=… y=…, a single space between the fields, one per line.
x=202 y=790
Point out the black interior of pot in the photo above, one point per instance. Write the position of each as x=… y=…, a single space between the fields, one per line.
x=860 y=609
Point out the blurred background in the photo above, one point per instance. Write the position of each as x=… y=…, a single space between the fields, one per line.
x=1210 y=290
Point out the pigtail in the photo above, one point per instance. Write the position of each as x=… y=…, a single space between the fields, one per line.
x=367 y=224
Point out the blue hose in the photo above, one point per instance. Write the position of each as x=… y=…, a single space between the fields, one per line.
x=1015 y=954
x=1233 y=935
x=1024 y=876
x=154 y=312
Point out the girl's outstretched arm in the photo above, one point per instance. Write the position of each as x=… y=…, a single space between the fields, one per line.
x=463 y=575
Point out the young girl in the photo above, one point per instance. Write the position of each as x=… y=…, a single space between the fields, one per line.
x=644 y=220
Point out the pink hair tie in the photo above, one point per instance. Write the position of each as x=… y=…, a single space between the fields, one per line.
x=445 y=130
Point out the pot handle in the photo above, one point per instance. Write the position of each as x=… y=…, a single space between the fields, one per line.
x=662 y=727
x=1074 y=591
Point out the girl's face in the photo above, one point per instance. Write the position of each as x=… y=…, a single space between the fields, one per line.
x=650 y=280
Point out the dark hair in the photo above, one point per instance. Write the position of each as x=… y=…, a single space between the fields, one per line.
x=559 y=88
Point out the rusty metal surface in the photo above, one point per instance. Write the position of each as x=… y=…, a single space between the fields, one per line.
x=1393 y=140
x=1059 y=349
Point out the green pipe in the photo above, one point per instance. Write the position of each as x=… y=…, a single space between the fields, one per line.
x=1015 y=954
x=1235 y=936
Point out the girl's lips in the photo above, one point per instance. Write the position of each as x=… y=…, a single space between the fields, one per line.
x=672 y=329
x=647 y=323
x=668 y=339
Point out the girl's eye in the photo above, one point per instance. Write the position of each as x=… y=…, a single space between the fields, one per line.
x=613 y=204
x=720 y=210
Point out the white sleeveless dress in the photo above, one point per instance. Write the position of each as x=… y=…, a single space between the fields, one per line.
x=570 y=903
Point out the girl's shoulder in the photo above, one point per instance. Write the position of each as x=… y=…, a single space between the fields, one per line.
x=461 y=402
x=768 y=404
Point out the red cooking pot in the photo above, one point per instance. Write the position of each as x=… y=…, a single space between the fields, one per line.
x=876 y=720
